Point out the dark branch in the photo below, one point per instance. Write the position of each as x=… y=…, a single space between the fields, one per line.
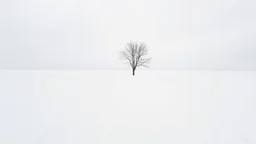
x=135 y=54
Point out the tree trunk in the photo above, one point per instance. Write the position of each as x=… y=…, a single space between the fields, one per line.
x=133 y=72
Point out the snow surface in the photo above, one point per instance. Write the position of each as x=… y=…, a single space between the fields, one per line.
x=113 y=107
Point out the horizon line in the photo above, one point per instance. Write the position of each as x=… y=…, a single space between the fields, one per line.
x=178 y=69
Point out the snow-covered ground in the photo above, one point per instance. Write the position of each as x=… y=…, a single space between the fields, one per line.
x=113 y=107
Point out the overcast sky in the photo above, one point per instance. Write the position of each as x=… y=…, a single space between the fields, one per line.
x=205 y=34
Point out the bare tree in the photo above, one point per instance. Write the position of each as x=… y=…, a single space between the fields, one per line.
x=135 y=54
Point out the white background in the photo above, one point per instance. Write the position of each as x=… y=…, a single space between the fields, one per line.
x=114 y=107
x=85 y=34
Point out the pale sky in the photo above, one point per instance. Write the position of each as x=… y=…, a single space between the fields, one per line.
x=183 y=34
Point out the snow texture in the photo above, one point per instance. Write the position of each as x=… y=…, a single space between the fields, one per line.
x=114 y=107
